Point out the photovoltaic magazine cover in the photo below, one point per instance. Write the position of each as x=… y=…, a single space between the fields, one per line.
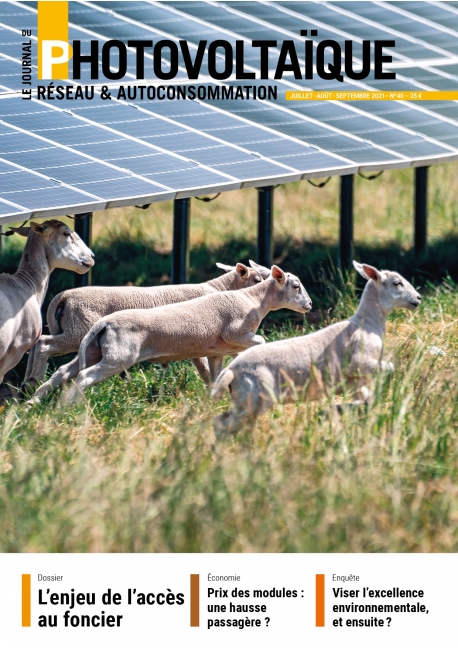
x=229 y=324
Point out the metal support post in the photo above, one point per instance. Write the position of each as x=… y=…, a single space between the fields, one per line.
x=346 y=222
x=180 y=252
x=421 y=209
x=83 y=228
x=265 y=225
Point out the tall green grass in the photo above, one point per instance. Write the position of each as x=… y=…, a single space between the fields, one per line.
x=137 y=467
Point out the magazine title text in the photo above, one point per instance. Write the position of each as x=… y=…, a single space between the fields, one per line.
x=222 y=60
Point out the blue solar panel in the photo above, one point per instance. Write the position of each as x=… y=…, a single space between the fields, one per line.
x=56 y=127
x=63 y=154
x=9 y=210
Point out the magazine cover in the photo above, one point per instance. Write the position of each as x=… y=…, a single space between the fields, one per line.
x=228 y=324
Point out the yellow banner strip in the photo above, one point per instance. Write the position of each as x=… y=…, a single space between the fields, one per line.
x=361 y=95
x=52 y=26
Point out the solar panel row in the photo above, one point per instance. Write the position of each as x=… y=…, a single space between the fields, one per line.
x=60 y=157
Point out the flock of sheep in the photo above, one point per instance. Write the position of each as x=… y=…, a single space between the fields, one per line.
x=113 y=328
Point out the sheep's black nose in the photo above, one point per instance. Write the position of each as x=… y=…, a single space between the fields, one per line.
x=92 y=255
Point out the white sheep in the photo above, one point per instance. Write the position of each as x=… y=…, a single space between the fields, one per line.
x=72 y=313
x=211 y=326
x=49 y=245
x=342 y=356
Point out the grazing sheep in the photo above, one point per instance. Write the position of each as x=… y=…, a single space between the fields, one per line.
x=49 y=245
x=72 y=313
x=211 y=326
x=341 y=356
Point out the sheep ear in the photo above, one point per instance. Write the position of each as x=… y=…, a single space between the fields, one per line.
x=368 y=272
x=262 y=270
x=225 y=267
x=22 y=230
x=37 y=227
x=242 y=270
x=278 y=275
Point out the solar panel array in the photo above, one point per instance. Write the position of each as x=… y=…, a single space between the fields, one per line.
x=58 y=157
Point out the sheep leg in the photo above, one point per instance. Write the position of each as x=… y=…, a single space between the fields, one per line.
x=114 y=352
x=247 y=340
x=202 y=367
x=363 y=396
x=387 y=366
x=94 y=372
x=216 y=365
x=250 y=401
x=65 y=373
x=62 y=376
x=363 y=366
x=45 y=347
x=90 y=376
x=231 y=422
x=227 y=423
x=30 y=360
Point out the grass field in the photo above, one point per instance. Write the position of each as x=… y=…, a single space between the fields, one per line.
x=138 y=468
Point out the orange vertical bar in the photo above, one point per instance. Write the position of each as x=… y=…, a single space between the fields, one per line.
x=195 y=597
x=52 y=25
x=319 y=599
x=26 y=600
